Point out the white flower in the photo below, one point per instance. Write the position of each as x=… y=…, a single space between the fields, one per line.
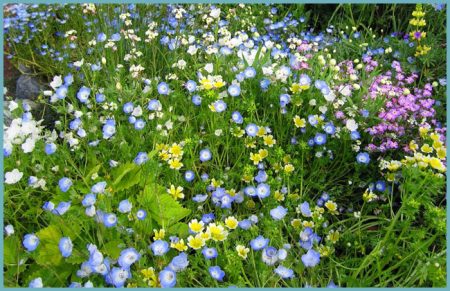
x=215 y=13
x=57 y=81
x=351 y=125
x=137 y=111
x=13 y=177
x=209 y=68
x=9 y=230
x=28 y=145
x=12 y=106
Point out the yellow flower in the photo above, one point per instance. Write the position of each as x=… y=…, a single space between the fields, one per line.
x=295 y=88
x=299 y=122
x=289 y=168
x=242 y=251
x=256 y=158
x=426 y=149
x=206 y=236
x=219 y=84
x=296 y=223
x=176 y=150
x=333 y=236
x=211 y=107
x=231 y=192
x=269 y=140
x=159 y=234
x=423 y=131
x=216 y=183
x=179 y=245
x=435 y=137
x=206 y=83
x=324 y=250
x=306 y=223
x=237 y=132
x=368 y=196
x=195 y=242
x=176 y=192
x=175 y=164
x=435 y=163
x=164 y=155
x=247 y=178
x=331 y=206
x=394 y=165
x=261 y=131
x=217 y=232
x=196 y=226
x=279 y=196
x=263 y=153
x=231 y=222
x=437 y=144
x=250 y=143
x=150 y=276
x=161 y=146
x=413 y=146
x=441 y=153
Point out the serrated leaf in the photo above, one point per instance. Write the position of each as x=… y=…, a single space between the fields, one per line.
x=126 y=176
x=112 y=248
x=11 y=249
x=49 y=234
x=180 y=229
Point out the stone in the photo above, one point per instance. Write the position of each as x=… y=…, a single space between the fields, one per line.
x=27 y=87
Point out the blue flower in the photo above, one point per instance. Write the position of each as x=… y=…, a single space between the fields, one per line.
x=48 y=206
x=36 y=283
x=189 y=176
x=380 y=186
x=205 y=155
x=263 y=190
x=320 y=139
x=311 y=258
x=167 y=278
x=118 y=276
x=269 y=256
x=179 y=262
x=109 y=219
x=237 y=117
x=197 y=100
x=363 y=158
x=264 y=84
x=128 y=257
x=332 y=285
x=191 y=86
x=285 y=99
x=88 y=200
x=61 y=92
x=261 y=177
x=217 y=273
x=101 y=37
x=245 y=224
x=83 y=94
x=251 y=129
x=154 y=105
x=199 y=198
x=284 y=272
x=220 y=106
x=132 y=119
x=65 y=246
x=278 y=213
x=159 y=247
x=208 y=217
x=128 y=107
x=141 y=214
x=64 y=184
x=50 y=148
x=312 y=119
x=305 y=210
x=125 y=206
x=100 y=97
x=259 y=243
x=141 y=158
x=329 y=128
x=209 y=253
x=354 y=135
x=234 y=90
x=163 y=88
x=30 y=242
x=62 y=208
x=99 y=188
x=249 y=72
x=109 y=128
x=139 y=124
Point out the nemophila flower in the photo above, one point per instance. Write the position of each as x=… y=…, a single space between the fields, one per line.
x=141 y=158
x=99 y=97
x=205 y=155
x=278 y=213
x=312 y=119
x=234 y=90
x=64 y=184
x=128 y=257
x=90 y=211
x=237 y=117
x=208 y=217
x=50 y=148
x=216 y=273
x=249 y=72
x=199 y=198
x=141 y=214
x=189 y=176
x=36 y=283
x=332 y=285
x=179 y=262
x=153 y=105
x=83 y=94
x=219 y=106
x=354 y=135
x=305 y=210
x=128 y=107
x=109 y=128
x=251 y=129
x=245 y=224
x=380 y=186
x=109 y=219
x=101 y=37
x=197 y=100
x=99 y=188
x=13 y=177
x=30 y=242
x=259 y=243
x=61 y=92
x=124 y=206
x=139 y=124
x=167 y=278
x=329 y=128
x=163 y=88
x=263 y=190
x=190 y=85
x=48 y=206
x=65 y=246
x=209 y=253
x=9 y=230
x=269 y=256
x=320 y=139
x=118 y=276
x=250 y=191
x=284 y=272
x=159 y=247
x=311 y=258
x=62 y=208
x=363 y=158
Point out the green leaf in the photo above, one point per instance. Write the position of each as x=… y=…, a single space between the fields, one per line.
x=50 y=234
x=10 y=251
x=48 y=250
x=180 y=229
x=112 y=248
x=126 y=176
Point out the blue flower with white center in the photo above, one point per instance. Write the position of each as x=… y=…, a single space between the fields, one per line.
x=209 y=253
x=261 y=177
x=225 y=201
x=245 y=224
x=36 y=283
x=90 y=211
x=125 y=206
x=320 y=139
x=199 y=198
x=240 y=77
x=208 y=217
x=32 y=180
x=354 y=135
x=380 y=186
x=250 y=191
x=251 y=129
x=264 y=84
x=99 y=98
x=325 y=196
x=311 y=258
x=109 y=219
x=329 y=128
x=99 y=188
x=128 y=107
x=50 y=148
x=141 y=214
x=189 y=176
x=319 y=84
x=249 y=72
x=167 y=278
x=285 y=99
x=237 y=117
x=89 y=200
x=284 y=272
x=259 y=243
x=81 y=132
x=65 y=247
x=115 y=37
x=48 y=206
x=118 y=277
x=132 y=119
x=263 y=190
x=139 y=124
x=30 y=242
x=61 y=92
x=304 y=80
x=234 y=90
x=220 y=106
x=75 y=124
x=109 y=128
x=163 y=88
x=179 y=263
x=83 y=94
x=191 y=86
x=363 y=158
x=270 y=256
x=217 y=273
x=154 y=105
x=65 y=184
x=101 y=37
x=278 y=213
x=88 y=284
x=68 y=80
x=312 y=119
x=159 y=247
x=197 y=100
x=305 y=210
x=128 y=257
x=141 y=158
x=205 y=155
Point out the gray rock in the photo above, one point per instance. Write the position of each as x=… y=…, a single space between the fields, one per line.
x=27 y=87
